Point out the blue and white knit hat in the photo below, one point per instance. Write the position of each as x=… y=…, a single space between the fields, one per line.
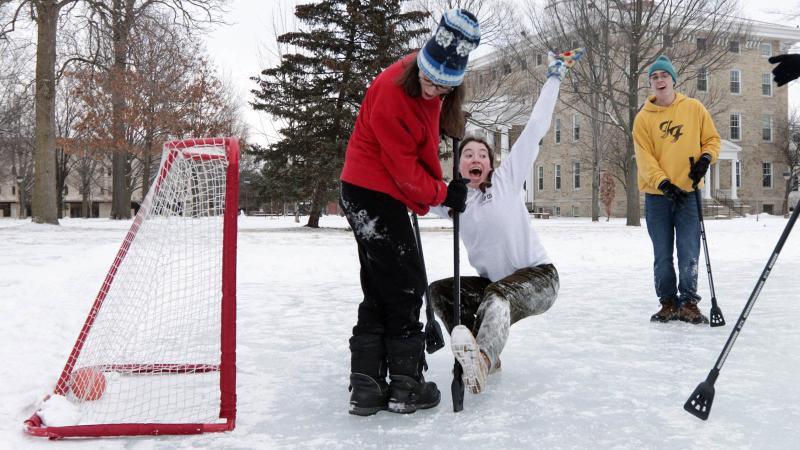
x=444 y=57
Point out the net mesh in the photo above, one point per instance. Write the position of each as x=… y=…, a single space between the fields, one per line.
x=156 y=334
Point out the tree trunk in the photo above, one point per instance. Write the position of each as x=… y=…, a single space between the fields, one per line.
x=44 y=206
x=21 y=211
x=120 y=195
x=595 y=122
x=317 y=203
x=120 y=199
x=62 y=171
x=632 y=210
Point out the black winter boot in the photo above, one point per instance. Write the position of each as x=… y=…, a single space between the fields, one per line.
x=408 y=390
x=369 y=391
x=407 y=394
x=368 y=394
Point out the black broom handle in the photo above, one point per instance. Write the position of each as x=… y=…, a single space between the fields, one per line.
x=757 y=290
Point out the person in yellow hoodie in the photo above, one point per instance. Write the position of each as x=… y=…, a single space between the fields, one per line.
x=668 y=130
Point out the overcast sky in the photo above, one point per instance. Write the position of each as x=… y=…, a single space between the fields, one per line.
x=246 y=45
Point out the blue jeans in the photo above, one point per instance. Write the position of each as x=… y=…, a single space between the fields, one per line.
x=670 y=228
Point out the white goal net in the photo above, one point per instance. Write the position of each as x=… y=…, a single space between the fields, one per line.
x=158 y=346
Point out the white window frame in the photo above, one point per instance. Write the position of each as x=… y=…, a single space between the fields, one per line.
x=702 y=75
x=768 y=47
x=738 y=173
x=766 y=125
x=576 y=128
x=574 y=211
x=557 y=210
x=557 y=133
x=557 y=177
x=738 y=126
x=540 y=178
x=766 y=82
x=766 y=171
x=737 y=81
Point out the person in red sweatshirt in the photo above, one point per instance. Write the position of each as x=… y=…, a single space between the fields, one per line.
x=392 y=165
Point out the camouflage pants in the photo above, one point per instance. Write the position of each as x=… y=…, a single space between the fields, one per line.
x=489 y=309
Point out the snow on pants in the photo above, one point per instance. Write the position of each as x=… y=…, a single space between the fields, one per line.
x=392 y=277
x=489 y=309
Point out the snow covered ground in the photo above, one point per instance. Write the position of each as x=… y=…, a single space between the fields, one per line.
x=593 y=372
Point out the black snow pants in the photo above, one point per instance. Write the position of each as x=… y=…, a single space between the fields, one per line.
x=392 y=280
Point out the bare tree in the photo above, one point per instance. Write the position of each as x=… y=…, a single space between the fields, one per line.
x=623 y=38
x=498 y=93
x=787 y=138
x=118 y=19
x=16 y=120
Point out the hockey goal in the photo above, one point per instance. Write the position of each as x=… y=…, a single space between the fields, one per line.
x=157 y=352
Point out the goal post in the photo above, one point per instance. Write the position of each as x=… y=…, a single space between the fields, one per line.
x=157 y=352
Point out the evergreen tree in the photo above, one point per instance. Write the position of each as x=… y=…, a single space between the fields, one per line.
x=316 y=92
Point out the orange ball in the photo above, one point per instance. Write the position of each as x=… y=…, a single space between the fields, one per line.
x=88 y=383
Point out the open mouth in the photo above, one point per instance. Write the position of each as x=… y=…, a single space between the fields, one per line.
x=476 y=171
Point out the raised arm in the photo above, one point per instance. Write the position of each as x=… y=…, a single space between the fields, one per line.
x=526 y=148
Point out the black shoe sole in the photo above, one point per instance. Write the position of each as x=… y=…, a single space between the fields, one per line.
x=403 y=408
x=365 y=411
x=661 y=320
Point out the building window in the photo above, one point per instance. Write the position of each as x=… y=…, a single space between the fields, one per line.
x=66 y=190
x=540 y=178
x=733 y=46
x=766 y=49
x=539 y=59
x=13 y=190
x=701 y=44
x=736 y=81
x=576 y=128
x=558 y=131
x=667 y=40
x=766 y=84
x=738 y=174
x=557 y=177
x=736 y=127
x=702 y=80
x=574 y=211
x=576 y=175
x=557 y=210
x=766 y=128
x=766 y=175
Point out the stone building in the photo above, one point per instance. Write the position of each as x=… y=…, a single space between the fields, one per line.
x=751 y=174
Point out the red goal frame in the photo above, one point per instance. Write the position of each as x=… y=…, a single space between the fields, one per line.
x=227 y=365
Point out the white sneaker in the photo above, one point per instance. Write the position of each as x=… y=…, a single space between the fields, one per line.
x=466 y=351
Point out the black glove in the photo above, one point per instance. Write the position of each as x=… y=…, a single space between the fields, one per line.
x=699 y=168
x=675 y=194
x=788 y=68
x=457 y=195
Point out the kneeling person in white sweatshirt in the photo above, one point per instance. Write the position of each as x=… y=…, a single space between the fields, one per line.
x=516 y=278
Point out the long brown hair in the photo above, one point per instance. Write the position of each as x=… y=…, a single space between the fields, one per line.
x=451 y=119
x=467 y=140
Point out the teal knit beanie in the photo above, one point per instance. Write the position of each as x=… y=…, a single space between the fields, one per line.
x=663 y=63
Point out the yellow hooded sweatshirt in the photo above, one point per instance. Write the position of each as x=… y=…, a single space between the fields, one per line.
x=666 y=136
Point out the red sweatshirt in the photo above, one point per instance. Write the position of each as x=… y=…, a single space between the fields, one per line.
x=395 y=142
